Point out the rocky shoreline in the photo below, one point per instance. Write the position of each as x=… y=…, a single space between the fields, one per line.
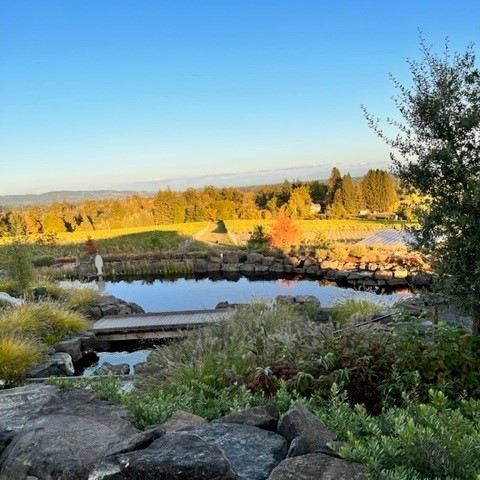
x=354 y=273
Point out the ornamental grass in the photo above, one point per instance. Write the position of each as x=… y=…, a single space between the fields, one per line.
x=17 y=355
x=43 y=320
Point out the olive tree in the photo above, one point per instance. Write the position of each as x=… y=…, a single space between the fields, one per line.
x=436 y=152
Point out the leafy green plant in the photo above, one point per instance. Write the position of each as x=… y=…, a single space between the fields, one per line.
x=425 y=441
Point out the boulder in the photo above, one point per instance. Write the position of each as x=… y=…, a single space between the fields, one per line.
x=261 y=269
x=200 y=265
x=284 y=299
x=180 y=420
x=256 y=258
x=175 y=456
x=278 y=268
x=317 y=466
x=247 y=268
x=214 y=267
x=310 y=299
x=57 y=365
x=253 y=452
x=65 y=434
x=299 y=421
x=107 y=368
x=72 y=346
x=264 y=417
x=7 y=298
x=268 y=261
x=230 y=257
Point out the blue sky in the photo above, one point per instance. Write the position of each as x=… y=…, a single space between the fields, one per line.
x=115 y=93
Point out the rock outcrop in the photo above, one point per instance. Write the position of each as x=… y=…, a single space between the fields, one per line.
x=47 y=433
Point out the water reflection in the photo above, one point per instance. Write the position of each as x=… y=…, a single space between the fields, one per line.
x=189 y=293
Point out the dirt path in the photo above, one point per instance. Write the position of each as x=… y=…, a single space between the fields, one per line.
x=217 y=234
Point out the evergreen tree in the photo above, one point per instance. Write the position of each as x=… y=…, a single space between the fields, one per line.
x=334 y=183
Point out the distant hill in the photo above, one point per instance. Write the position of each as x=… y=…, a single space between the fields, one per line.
x=70 y=196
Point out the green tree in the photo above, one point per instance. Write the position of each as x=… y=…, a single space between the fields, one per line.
x=437 y=152
x=379 y=192
x=334 y=184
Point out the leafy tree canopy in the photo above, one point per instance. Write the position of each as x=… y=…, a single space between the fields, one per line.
x=437 y=152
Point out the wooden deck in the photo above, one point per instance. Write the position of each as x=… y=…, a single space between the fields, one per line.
x=155 y=325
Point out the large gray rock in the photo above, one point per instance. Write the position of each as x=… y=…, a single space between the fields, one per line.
x=264 y=417
x=299 y=421
x=176 y=456
x=58 y=365
x=180 y=420
x=253 y=452
x=200 y=265
x=17 y=405
x=66 y=433
x=72 y=346
x=317 y=466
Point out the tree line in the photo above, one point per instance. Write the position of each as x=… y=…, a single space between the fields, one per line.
x=340 y=197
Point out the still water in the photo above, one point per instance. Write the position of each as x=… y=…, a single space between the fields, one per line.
x=163 y=295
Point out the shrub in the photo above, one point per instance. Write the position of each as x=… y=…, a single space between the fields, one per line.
x=17 y=355
x=19 y=266
x=425 y=441
x=338 y=252
x=44 y=261
x=358 y=250
x=43 y=320
x=258 y=238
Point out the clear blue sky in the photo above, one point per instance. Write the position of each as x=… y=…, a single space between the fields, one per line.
x=105 y=93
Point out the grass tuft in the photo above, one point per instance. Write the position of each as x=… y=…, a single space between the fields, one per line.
x=17 y=355
x=43 y=320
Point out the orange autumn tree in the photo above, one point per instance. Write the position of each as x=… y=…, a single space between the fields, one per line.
x=285 y=232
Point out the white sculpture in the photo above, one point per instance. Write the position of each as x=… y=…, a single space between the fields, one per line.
x=99 y=264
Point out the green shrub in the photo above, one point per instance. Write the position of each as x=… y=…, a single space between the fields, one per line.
x=17 y=355
x=44 y=261
x=259 y=238
x=43 y=320
x=426 y=441
x=19 y=266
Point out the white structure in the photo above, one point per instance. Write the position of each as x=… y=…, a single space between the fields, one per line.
x=99 y=264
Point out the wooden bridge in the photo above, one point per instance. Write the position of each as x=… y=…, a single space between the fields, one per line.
x=155 y=325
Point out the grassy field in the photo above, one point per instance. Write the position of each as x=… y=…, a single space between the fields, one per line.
x=335 y=230
x=121 y=240
x=194 y=236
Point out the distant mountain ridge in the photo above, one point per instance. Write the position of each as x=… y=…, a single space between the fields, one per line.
x=73 y=196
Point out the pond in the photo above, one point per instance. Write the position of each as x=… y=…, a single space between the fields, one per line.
x=161 y=295
x=172 y=294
